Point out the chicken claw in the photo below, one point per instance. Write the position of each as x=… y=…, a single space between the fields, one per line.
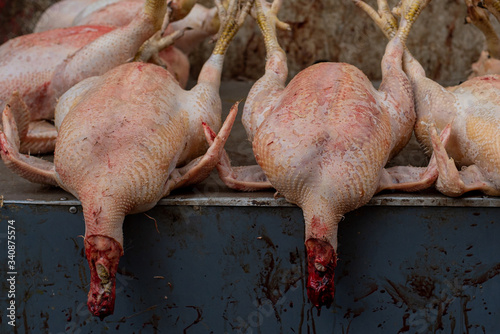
x=231 y=19
x=150 y=50
x=383 y=18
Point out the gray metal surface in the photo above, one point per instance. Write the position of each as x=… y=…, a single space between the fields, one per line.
x=207 y=269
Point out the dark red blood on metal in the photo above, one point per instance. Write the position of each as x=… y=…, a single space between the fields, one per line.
x=320 y=284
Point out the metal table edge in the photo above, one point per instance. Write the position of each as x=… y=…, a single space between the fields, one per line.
x=267 y=200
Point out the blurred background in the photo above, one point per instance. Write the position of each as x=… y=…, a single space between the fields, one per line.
x=331 y=30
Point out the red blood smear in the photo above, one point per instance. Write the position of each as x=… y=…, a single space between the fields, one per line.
x=320 y=284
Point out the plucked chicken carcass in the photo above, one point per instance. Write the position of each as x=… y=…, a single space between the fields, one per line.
x=323 y=140
x=472 y=109
x=126 y=139
x=488 y=62
x=36 y=69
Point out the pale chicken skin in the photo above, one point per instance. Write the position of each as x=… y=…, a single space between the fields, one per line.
x=126 y=139
x=323 y=140
x=115 y=13
x=61 y=14
x=195 y=21
x=41 y=67
x=471 y=109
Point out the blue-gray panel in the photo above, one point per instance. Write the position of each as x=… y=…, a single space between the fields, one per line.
x=241 y=270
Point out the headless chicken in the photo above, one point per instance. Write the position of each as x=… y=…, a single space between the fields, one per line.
x=126 y=139
x=41 y=67
x=323 y=140
x=472 y=109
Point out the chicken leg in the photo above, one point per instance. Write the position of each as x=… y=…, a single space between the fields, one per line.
x=488 y=62
x=493 y=7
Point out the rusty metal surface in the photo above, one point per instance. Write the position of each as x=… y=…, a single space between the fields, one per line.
x=241 y=270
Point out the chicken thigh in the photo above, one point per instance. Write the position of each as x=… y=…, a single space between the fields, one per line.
x=41 y=67
x=126 y=139
x=472 y=109
x=323 y=140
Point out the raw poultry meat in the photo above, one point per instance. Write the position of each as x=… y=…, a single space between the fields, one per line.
x=41 y=67
x=323 y=140
x=61 y=14
x=202 y=21
x=126 y=139
x=488 y=62
x=472 y=109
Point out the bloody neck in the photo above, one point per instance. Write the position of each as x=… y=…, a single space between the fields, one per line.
x=103 y=254
x=321 y=263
